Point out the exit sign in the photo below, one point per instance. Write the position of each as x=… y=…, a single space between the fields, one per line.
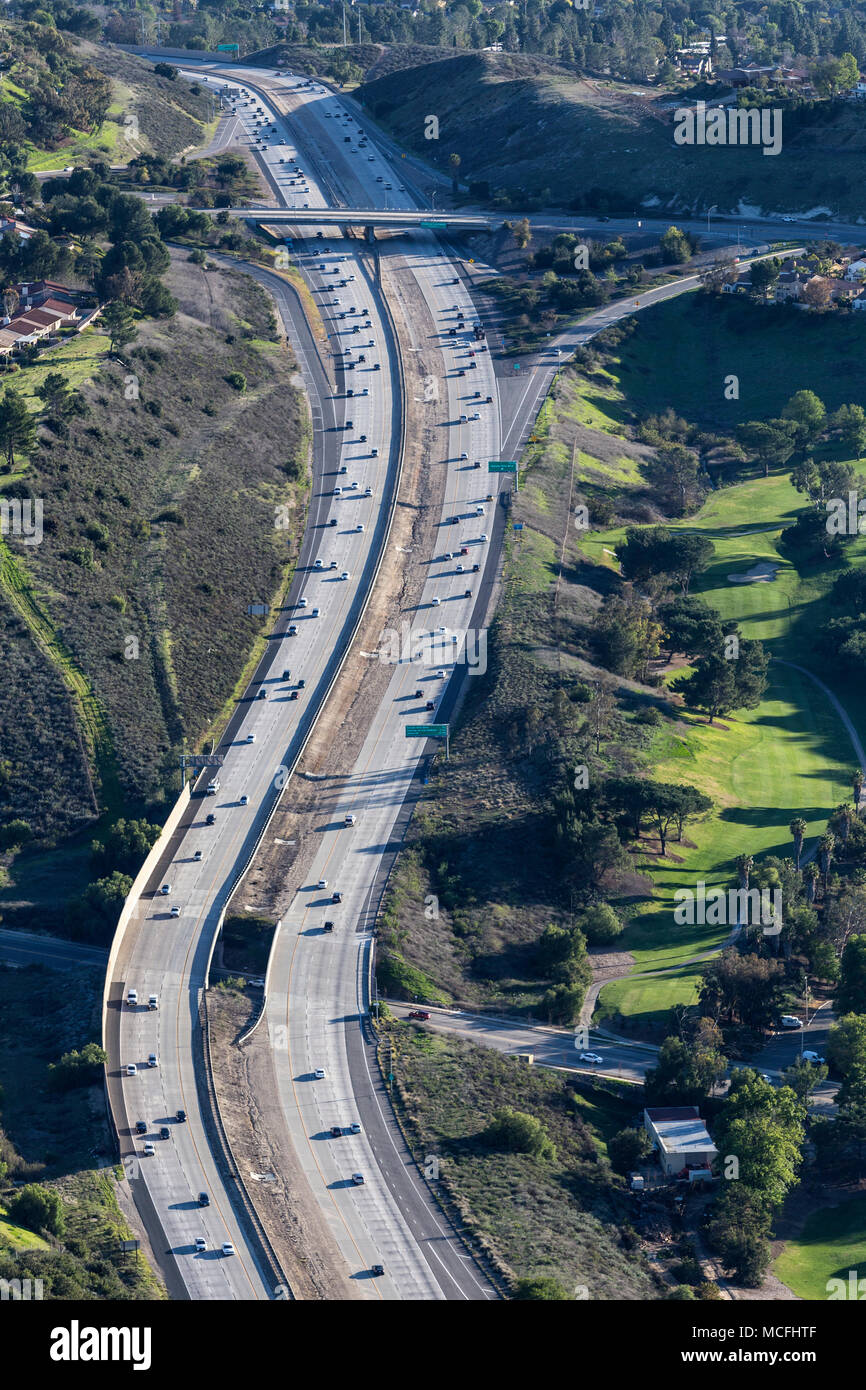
x=426 y=730
x=508 y=466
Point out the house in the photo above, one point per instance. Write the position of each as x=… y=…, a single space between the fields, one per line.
x=741 y=285
x=859 y=302
x=695 y=60
x=856 y=270
x=13 y=224
x=680 y=1138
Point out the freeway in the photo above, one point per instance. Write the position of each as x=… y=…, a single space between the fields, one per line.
x=168 y=943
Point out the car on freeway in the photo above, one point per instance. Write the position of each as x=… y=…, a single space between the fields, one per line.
x=320 y=1074
x=210 y=819
x=203 y=1199
x=141 y=1127
x=336 y=896
x=292 y=630
x=594 y=1057
x=131 y=1069
x=345 y=574
x=149 y=1150
x=152 y=1059
x=323 y=883
x=336 y=1132
x=244 y=800
x=180 y=1116
x=349 y=818
x=200 y=1243
x=227 y=1248
x=355 y=1128
x=165 y=889
x=358 y=1179
x=175 y=912
x=327 y=926
x=163 y=1133
x=251 y=738
x=377 y=1270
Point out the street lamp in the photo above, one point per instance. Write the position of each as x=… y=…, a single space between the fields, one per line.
x=714 y=208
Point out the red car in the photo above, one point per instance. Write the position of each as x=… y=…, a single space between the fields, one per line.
x=419 y=1013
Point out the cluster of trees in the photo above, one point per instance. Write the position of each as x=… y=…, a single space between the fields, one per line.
x=88 y=206
x=844 y=636
x=63 y=93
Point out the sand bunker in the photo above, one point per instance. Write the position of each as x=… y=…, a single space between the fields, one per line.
x=763 y=573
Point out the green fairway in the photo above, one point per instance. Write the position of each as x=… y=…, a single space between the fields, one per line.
x=789 y=757
x=647 y=1001
x=830 y=1246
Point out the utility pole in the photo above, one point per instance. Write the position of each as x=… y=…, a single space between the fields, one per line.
x=359 y=28
x=344 y=23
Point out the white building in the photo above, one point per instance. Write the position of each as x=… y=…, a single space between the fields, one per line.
x=680 y=1138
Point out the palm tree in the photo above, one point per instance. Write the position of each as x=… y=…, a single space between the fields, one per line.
x=798 y=830
x=841 y=820
x=811 y=873
x=826 y=845
x=857 y=783
x=744 y=868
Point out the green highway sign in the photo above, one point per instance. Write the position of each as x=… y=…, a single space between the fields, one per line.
x=426 y=730
x=228 y=48
x=436 y=226
x=509 y=466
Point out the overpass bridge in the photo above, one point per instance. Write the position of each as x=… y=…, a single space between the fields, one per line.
x=368 y=218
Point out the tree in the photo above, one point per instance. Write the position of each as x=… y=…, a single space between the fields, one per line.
x=513 y=1131
x=38 y=1208
x=600 y=924
x=857 y=784
x=737 y=1230
x=126 y=845
x=811 y=874
x=764 y=274
x=688 y=1067
x=78 y=1068
x=628 y=1149
x=771 y=441
x=17 y=427
x=542 y=1289
x=846 y=1044
x=455 y=161
x=750 y=988
x=522 y=233
x=675 y=246
x=851 y=992
x=764 y=1127
x=808 y=413
x=602 y=708
x=719 y=686
x=826 y=845
x=55 y=393
x=119 y=321
x=798 y=830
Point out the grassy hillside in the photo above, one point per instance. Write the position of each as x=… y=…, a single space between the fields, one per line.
x=159 y=531
x=551 y=127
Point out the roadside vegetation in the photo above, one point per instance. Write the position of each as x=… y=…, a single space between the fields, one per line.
x=59 y=1215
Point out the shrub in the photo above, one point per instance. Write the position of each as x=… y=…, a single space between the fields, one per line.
x=237 y=380
x=516 y=1132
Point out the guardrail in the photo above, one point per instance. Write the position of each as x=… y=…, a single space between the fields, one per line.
x=174 y=817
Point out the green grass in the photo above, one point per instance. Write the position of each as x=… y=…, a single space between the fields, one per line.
x=832 y=1243
x=78 y=358
x=15 y=1238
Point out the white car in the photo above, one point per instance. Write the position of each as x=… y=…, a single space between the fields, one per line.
x=131 y=1069
x=358 y=1179
x=791 y=1021
x=360 y=526
x=484 y=536
x=350 y=819
x=355 y=1128
x=320 y=1073
x=345 y=574
x=200 y=1243
x=813 y=1057
x=594 y=1057
x=175 y=912
x=440 y=675
x=228 y=1248
x=435 y=602
x=148 y=1150
x=302 y=602
x=251 y=738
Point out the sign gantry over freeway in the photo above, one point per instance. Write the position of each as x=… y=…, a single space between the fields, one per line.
x=430 y=731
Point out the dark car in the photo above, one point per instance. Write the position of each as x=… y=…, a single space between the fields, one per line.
x=336 y=897
x=163 y=1133
x=464 y=549
x=141 y=1127
x=377 y=1270
x=333 y=521
x=419 y=1013
x=302 y=684
x=327 y=926
x=468 y=593
x=475 y=569
x=336 y=1132
x=430 y=704
x=211 y=819
x=203 y=1199
x=181 y=1116
x=293 y=694
x=293 y=630
x=287 y=675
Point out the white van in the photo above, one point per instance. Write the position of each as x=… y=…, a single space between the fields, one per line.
x=132 y=998
x=213 y=786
